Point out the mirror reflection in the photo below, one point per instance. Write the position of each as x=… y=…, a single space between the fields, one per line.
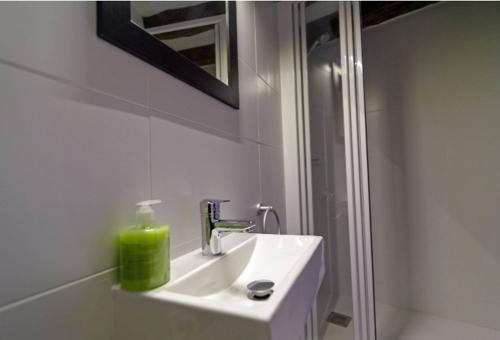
x=198 y=30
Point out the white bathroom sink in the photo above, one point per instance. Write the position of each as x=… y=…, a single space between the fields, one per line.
x=207 y=298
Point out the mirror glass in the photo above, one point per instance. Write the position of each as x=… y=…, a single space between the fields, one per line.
x=197 y=30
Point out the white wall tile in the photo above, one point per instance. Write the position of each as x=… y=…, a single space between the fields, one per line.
x=70 y=173
x=173 y=172
x=267 y=41
x=272 y=179
x=78 y=311
x=270 y=132
x=249 y=101
x=60 y=39
x=246 y=32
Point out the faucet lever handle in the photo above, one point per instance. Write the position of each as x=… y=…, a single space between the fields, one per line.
x=216 y=207
x=213 y=205
x=212 y=201
x=215 y=202
x=221 y=201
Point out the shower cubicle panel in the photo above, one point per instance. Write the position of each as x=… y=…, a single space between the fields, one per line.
x=432 y=84
x=328 y=172
x=335 y=165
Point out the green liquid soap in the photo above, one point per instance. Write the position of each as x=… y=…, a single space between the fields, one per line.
x=143 y=258
x=144 y=252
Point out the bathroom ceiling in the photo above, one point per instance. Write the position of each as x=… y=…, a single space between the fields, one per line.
x=372 y=13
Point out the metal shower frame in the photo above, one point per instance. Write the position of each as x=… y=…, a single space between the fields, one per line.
x=297 y=151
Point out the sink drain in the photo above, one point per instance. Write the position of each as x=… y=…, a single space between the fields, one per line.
x=260 y=289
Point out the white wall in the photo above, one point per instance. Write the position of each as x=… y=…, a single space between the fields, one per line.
x=432 y=93
x=86 y=130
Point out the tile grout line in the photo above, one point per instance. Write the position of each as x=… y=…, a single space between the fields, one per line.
x=209 y=129
x=150 y=134
x=124 y=100
x=276 y=91
x=150 y=160
x=254 y=19
x=256 y=52
x=244 y=62
x=54 y=290
x=69 y=83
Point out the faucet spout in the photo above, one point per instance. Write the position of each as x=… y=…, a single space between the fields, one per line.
x=235 y=225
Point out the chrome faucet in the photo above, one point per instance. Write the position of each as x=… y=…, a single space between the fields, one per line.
x=213 y=228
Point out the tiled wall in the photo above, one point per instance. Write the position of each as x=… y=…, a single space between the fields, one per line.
x=86 y=130
x=432 y=84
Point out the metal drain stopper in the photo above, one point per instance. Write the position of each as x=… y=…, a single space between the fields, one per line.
x=260 y=289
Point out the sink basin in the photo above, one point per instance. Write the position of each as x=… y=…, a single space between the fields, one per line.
x=207 y=297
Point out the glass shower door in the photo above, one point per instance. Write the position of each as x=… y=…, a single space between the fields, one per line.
x=326 y=130
x=327 y=140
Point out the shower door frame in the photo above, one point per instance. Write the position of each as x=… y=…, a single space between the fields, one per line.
x=297 y=151
x=358 y=190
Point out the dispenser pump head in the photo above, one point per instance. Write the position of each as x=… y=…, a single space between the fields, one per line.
x=145 y=214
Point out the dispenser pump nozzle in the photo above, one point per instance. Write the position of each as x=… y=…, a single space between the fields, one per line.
x=145 y=214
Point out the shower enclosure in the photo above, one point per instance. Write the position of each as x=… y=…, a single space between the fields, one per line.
x=392 y=114
x=325 y=157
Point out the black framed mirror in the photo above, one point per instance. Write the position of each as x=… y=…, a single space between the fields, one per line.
x=194 y=41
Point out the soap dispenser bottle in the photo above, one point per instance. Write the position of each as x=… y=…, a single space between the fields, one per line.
x=144 y=251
